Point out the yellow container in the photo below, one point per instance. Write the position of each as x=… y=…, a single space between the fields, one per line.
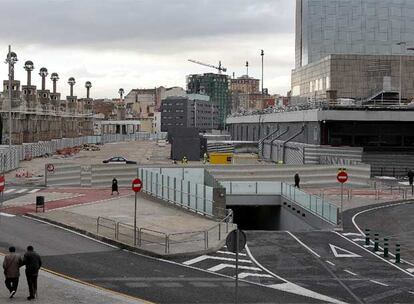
x=220 y=158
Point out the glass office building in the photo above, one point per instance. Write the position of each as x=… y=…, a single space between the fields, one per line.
x=362 y=27
x=350 y=47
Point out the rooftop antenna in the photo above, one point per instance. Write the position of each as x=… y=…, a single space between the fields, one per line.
x=247 y=68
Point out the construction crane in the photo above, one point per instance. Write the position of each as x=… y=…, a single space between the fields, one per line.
x=219 y=68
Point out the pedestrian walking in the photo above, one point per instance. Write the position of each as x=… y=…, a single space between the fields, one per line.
x=11 y=264
x=410 y=175
x=297 y=180
x=33 y=263
x=114 y=186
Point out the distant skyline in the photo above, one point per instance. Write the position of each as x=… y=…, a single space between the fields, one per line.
x=143 y=44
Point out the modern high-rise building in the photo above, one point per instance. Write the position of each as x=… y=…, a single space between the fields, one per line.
x=217 y=87
x=353 y=48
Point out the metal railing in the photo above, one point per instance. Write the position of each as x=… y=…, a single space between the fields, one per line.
x=161 y=241
x=178 y=192
x=312 y=203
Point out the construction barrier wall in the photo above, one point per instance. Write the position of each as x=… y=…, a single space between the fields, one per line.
x=11 y=157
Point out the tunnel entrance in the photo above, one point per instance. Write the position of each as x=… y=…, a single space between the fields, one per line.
x=257 y=217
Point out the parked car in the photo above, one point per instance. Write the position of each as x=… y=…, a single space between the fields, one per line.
x=118 y=160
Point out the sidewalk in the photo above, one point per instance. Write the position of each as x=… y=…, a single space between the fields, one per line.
x=54 y=289
x=163 y=228
x=358 y=197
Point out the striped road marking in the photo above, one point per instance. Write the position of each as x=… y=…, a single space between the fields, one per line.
x=34 y=190
x=9 y=190
x=21 y=191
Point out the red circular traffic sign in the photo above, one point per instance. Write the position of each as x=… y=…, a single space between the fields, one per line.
x=136 y=185
x=2 y=183
x=342 y=177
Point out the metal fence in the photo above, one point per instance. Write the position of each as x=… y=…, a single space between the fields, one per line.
x=310 y=202
x=163 y=242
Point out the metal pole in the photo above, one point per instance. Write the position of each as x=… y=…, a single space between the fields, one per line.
x=399 y=100
x=237 y=267
x=135 y=220
x=10 y=98
x=342 y=205
x=262 y=54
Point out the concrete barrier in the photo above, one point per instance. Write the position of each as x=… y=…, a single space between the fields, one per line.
x=62 y=174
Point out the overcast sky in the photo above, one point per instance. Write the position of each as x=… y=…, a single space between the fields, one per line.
x=146 y=43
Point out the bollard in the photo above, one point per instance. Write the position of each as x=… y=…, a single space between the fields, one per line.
x=397 y=253
x=385 y=248
x=367 y=237
x=376 y=242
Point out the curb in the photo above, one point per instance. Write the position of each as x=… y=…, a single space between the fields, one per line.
x=126 y=246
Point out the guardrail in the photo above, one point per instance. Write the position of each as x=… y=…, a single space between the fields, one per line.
x=161 y=241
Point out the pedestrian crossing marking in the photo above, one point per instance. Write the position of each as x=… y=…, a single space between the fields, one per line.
x=248 y=274
x=231 y=253
x=7 y=214
x=206 y=257
x=222 y=266
x=20 y=191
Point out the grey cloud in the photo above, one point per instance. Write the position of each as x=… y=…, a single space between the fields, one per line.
x=140 y=24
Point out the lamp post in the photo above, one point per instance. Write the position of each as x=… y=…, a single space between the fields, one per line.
x=10 y=60
x=402 y=43
x=262 y=54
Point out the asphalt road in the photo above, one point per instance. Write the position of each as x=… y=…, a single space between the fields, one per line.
x=135 y=275
x=393 y=221
x=353 y=276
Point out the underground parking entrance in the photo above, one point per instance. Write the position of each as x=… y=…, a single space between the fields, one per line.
x=274 y=214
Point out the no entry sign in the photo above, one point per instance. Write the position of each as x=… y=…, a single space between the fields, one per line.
x=342 y=177
x=2 y=183
x=136 y=185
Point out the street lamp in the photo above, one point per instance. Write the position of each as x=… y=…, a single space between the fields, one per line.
x=10 y=60
x=402 y=43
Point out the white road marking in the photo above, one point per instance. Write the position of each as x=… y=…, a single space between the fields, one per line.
x=22 y=190
x=9 y=190
x=208 y=257
x=248 y=274
x=351 y=233
x=379 y=283
x=34 y=190
x=350 y=272
x=303 y=244
x=376 y=208
x=379 y=257
x=412 y=292
x=222 y=266
x=291 y=287
x=339 y=252
x=410 y=270
x=330 y=263
x=7 y=214
x=358 y=240
x=232 y=253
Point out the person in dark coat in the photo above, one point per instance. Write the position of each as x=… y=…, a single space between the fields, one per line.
x=410 y=175
x=33 y=263
x=11 y=265
x=297 y=180
x=114 y=186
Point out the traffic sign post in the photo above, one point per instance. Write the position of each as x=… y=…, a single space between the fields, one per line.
x=136 y=187
x=342 y=178
x=235 y=242
x=2 y=185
